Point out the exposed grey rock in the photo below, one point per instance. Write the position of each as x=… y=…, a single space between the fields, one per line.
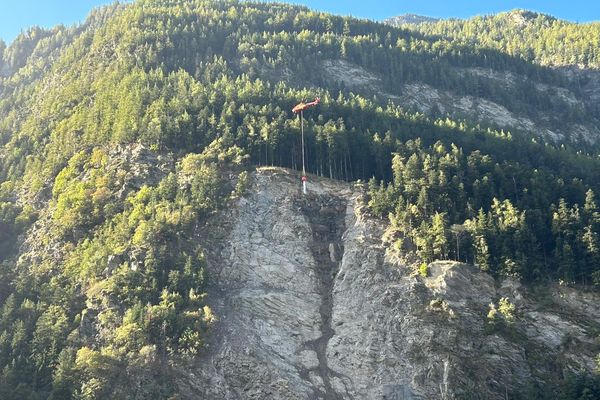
x=409 y=19
x=422 y=97
x=350 y=74
x=312 y=306
x=140 y=165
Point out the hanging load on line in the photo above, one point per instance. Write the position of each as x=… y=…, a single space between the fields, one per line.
x=299 y=108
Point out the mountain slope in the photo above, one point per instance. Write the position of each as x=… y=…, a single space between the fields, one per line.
x=312 y=305
x=534 y=36
x=124 y=141
x=537 y=38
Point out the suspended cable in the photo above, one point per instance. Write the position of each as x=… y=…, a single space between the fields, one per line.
x=299 y=108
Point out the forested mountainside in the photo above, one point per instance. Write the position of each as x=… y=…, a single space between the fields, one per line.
x=535 y=37
x=122 y=137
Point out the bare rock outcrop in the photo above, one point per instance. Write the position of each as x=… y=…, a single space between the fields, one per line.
x=312 y=306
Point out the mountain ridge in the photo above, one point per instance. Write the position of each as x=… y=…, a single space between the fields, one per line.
x=409 y=19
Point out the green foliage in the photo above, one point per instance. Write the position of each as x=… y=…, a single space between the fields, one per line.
x=121 y=293
x=528 y=35
x=505 y=211
x=242 y=184
x=507 y=310
x=131 y=272
x=81 y=202
x=424 y=270
x=14 y=220
x=581 y=386
x=501 y=318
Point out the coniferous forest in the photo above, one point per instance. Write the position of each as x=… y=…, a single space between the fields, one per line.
x=205 y=89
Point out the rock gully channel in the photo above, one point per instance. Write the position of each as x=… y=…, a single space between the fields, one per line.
x=326 y=217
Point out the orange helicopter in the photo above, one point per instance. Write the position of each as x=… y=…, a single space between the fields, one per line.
x=303 y=106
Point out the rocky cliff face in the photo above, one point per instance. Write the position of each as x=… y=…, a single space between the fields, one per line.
x=311 y=306
x=422 y=97
x=409 y=19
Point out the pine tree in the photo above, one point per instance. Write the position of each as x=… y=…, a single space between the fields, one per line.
x=439 y=236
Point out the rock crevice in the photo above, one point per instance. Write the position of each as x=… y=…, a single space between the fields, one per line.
x=326 y=216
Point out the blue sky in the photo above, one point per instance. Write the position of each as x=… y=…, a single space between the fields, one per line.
x=20 y=14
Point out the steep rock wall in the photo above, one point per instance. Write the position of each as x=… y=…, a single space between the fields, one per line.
x=311 y=306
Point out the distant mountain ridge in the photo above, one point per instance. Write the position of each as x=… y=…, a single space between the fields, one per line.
x=565 y=47
x=536 y=36
x=516 y=14
x=409 y=19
